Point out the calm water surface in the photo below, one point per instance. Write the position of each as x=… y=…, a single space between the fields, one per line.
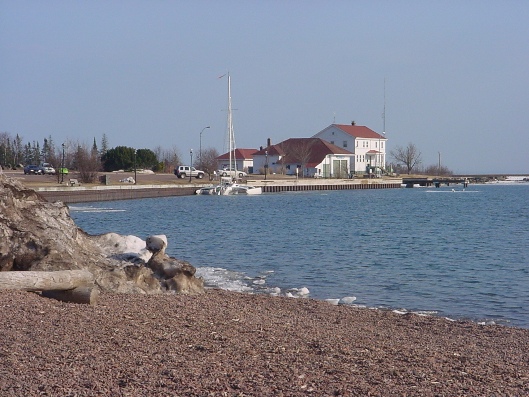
x=461 y=254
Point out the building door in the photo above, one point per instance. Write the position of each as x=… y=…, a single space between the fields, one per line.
x=339 y=168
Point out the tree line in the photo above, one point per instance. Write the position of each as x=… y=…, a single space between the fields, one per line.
x=89 y=160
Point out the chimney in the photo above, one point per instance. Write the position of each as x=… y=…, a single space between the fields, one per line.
x=353 y=122
x=260 y=148
x=268 y=142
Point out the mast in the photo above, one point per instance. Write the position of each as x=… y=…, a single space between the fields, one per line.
x=381 y=157
x=384 y=111
x=231 y=135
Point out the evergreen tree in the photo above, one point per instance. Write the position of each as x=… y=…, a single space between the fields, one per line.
x=120 y=157
x=104 y=145
x=18 y=150
x=94 y=148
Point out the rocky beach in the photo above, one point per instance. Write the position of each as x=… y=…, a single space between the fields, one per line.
x=229 y=344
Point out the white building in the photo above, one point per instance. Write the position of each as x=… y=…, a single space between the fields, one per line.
x=304 y=157
x=368 y=146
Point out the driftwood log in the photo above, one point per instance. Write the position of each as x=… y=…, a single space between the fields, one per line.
x=88 y=295
x=75 y=286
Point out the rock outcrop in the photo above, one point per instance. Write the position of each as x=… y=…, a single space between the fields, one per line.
x=176 y=274
x=41 y=236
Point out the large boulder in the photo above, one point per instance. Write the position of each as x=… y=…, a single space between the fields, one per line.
x=38 y=235
x=177 y=275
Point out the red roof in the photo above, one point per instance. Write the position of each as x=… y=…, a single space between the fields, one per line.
x=239 y=154
x=359 y=131
x=311 y=150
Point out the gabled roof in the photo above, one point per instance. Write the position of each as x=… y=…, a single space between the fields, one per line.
x=311 y=151
x=358 y=131
x=239 y=154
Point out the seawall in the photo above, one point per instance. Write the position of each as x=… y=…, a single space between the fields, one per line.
x=79 y=194
x=298 y=187
x=82 y=194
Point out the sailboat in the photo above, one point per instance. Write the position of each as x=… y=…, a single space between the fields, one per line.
x=229 y=186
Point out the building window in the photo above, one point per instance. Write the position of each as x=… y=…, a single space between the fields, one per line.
x=356 y=143
x=376 y=144
x=344 y=143
x=332 y=142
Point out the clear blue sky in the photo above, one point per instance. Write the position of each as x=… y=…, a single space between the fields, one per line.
x=145 y=73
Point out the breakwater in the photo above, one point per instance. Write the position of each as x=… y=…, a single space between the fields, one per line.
x=278 y=188
x=81 y=194
x=110 y=193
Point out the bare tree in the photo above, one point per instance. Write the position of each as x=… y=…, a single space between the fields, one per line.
x=209 y=160
x=409 y=156
x=170 y=158
x=301 y=151
x=88 y=163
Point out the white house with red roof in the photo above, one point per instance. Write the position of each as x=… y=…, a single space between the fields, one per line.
x=368 y=146
x=308 y=157
x=243 y=159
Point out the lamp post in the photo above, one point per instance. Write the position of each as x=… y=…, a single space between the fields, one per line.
x=190 y=164
x=200 y=149
x=135 y=152
x=266 y=163
x=62 y=165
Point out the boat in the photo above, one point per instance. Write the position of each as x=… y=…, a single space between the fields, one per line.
x=228 y=185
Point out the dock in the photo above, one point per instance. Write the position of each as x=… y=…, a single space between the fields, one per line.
x=437 y=182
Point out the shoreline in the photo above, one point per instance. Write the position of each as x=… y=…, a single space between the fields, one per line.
x=228 y=343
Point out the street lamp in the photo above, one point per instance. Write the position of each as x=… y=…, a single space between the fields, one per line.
x=266 y=163
x=200 y=149
x=135 y=152
x=62 y=165
x=191 y=164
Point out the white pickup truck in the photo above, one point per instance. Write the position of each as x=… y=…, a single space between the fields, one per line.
x=184 y=171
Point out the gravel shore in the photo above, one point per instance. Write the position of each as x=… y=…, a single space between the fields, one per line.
x=230 y=344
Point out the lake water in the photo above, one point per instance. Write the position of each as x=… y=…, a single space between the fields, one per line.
x=457 y=254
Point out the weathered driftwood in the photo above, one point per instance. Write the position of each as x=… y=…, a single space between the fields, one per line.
x=87 y=295
x=67 y=285
x=45 y=281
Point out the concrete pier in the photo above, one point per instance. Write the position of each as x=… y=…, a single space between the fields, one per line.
x=80 y=194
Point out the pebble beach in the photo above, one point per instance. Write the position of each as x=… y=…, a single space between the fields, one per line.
x=231 y=344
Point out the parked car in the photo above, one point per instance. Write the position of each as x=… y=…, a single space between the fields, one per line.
x=47 y=168
x=231 y=172
x=184 y=171
x=32 y=169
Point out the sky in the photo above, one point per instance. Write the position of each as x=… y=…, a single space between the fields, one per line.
x=453 y=76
